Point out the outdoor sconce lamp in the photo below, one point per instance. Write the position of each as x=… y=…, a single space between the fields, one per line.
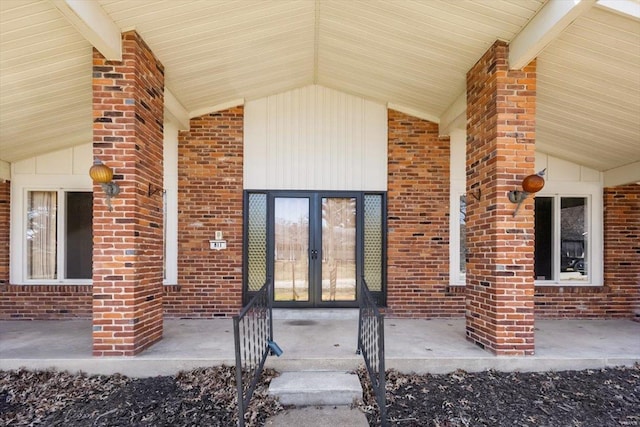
x=530 y=185
x=103 y=175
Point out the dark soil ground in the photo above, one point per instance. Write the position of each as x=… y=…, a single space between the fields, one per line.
x=590 y=398
x=206 y=397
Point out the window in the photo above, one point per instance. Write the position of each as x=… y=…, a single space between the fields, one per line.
x=462 y=268
x=566 y=241
x=58 y=236
x=562 y=249
x=458 y=238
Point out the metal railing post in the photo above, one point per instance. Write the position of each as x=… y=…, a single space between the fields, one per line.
x=382 y=402
x=239 y=386
x=371 y=346
x=253 y=340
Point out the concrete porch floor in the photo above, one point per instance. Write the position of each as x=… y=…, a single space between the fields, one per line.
x=321 y=340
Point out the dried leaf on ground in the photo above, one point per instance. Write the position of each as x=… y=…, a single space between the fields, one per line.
x=207 y=397
x=588 y=398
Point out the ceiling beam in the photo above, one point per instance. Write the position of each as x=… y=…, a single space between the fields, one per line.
x=623 y=7
x=548 y=24
x=94 y=24
x=174 y=109
x=455 y=116
x=622 y=175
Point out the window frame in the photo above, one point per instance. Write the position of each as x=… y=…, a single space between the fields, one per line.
x=457 y=189
x=270 y=195
x=61 y=212
x=456 y=277
x=594 y=230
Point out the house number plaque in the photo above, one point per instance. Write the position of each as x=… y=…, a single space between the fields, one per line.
x=218 y=245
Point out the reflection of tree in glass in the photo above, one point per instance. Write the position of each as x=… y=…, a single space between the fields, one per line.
x=291 y=243
x=338 y=240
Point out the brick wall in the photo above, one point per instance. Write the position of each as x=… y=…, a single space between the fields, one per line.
x=418 y=221
x=500 y=153
x=210 y=186
x=5 y=205
x=128 y=102
x=45 y=302
x=620 y=295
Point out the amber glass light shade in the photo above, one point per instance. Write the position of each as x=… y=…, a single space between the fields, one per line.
x=533 y=183
x=101 y=173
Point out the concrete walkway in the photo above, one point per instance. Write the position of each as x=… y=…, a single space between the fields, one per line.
x=321 y=342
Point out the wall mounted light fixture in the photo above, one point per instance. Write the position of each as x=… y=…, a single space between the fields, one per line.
x=530 y=185
x=103 y=175
x=153 y=189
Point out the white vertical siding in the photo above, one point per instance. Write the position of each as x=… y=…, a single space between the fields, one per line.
x=68 y=167
x=558 y=170
x=315 y=138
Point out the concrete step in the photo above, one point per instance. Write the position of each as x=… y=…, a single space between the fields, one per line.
x=316 y=313
x=319 y=416
x=316 y=388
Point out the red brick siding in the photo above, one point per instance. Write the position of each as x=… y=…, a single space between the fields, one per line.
x=418 y=221
x=620 y=295
x=5 y=205
x=45 y=302
x=500 y=153
x=210 y=187
x=128 y=102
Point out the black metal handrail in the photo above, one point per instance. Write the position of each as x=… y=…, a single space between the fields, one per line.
x=253 y=336
x=371 y=346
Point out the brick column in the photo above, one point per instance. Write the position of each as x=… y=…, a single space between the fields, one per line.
x=500 y=153
x=128 y=99
x=5 y=204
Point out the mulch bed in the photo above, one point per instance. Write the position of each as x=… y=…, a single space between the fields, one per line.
x=206 y=397
x=589 y=398
x=201 y=397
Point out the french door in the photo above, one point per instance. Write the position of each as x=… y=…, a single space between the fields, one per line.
x=314 y=246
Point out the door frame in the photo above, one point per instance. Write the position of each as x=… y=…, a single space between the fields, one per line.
x=315 y=220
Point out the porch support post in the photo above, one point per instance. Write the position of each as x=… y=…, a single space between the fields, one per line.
x=500 y=153
x=5 y=226
x=128 y=99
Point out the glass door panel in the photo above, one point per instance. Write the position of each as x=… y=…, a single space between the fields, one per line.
x=314 y=246
x=338 y=249
x=291 y=249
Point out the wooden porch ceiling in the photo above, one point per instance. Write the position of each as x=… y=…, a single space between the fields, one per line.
x=410 y=55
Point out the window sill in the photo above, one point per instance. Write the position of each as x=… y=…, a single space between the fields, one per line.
x=570 y=288
x=171 y=287
x=568 y=285
x=64 y=283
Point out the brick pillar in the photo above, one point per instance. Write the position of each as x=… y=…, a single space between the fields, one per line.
x=128 y=99
x=5 y=203
x=500 y=153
